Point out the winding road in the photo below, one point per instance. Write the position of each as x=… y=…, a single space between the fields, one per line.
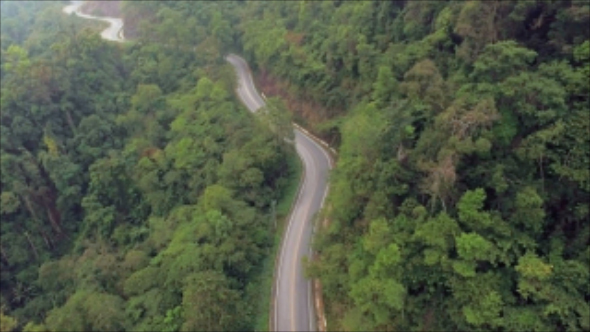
x=293 y=302
x=113 y=32
x=293 y=308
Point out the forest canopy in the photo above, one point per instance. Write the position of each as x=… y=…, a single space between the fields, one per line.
x=460 y=196
x=132 y=176
x=136 y=190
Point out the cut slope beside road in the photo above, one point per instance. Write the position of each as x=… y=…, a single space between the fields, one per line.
x=293 y=304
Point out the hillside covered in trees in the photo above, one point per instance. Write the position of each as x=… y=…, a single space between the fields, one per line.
x=132 y=178
x=136 y=191
x=460 y=196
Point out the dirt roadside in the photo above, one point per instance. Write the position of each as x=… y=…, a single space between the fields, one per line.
x=305 y=111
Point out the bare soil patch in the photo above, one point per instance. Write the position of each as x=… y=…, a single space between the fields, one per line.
x=305 y=111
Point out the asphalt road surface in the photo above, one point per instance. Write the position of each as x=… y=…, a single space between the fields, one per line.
x=111 y=33
x=293 y=304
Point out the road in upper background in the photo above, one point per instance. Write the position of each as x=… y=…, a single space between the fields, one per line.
x=293 y=305
x=115 y=24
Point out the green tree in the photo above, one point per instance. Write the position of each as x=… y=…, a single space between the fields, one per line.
x=210 y=304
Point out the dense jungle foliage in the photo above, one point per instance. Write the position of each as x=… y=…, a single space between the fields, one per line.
x=460 y=196
x=459 y=200
x=135 y=188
